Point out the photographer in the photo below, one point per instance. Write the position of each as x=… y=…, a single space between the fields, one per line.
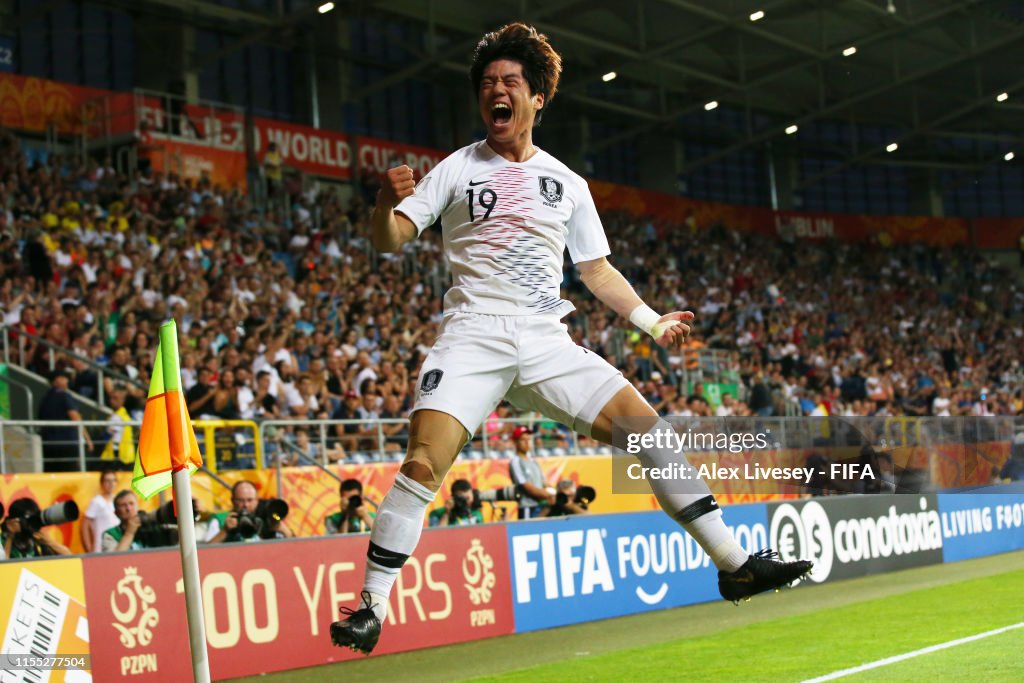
x=354 y=517
x=528 y=477
x=22 y=533
x=570 y=499
x=462 y=507
x=137 y=530
x=251 y=519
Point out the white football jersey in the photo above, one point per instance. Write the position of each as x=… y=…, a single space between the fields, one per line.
x=505 y=227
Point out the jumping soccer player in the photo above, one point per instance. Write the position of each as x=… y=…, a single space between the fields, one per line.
x=508 y=211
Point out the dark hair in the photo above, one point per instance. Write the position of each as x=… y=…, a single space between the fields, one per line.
x=22 y=507
x=107 y=469
x=461 y=485
x=123 y=493
x=351 y=484
x=542 y=66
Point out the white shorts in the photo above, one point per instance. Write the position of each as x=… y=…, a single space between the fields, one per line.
x=480 y=359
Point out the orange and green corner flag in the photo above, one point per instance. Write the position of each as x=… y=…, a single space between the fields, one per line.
x=167 y=442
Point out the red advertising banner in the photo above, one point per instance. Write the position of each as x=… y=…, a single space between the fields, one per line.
x=33 y=104
x=196 y=161
x=701 y=215
x=268 y=606
x=377 y=156
x=221 y=132
x=311 y=150
x=212 y=142
x=999 y=233
x=314 y=151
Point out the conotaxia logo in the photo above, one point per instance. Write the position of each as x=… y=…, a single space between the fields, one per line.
x=808 y=533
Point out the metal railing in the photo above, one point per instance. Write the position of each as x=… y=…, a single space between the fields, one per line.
x=80 y=426
x=205 y=438
x=326 y=439
x=52 y=352
x=928 y=437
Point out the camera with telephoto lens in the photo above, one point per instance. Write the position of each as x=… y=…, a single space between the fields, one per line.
x=584 y=496
x=354 y=503
x=512 y=492
x=58 y=513
x=260 y=523
x=160 y=527
x=462 y=507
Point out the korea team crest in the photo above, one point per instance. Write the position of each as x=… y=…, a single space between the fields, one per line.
x=550 y=189
x=431 y=380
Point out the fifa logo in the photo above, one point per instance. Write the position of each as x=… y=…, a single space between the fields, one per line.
x=132 y=605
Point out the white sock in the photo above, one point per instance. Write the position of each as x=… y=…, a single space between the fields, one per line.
x=692 y=505
x=396 y=532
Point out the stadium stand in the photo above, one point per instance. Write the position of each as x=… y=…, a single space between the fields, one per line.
x=97 y=259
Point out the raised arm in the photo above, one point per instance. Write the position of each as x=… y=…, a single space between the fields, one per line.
x=392 y=230
x=609 y=286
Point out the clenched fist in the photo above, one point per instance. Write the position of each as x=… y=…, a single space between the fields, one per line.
x=397 y=185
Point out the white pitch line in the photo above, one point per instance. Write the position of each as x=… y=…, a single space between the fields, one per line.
x=909 y=655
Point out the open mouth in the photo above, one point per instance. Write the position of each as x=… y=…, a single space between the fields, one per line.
x=501 y=113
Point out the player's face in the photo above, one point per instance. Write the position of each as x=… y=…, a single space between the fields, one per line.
x=506 y=104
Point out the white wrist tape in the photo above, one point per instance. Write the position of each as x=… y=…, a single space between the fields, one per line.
x=647 y=320
x=644 y=317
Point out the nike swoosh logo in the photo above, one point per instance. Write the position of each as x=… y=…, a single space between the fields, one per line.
x=375 y=556
x=479 y=182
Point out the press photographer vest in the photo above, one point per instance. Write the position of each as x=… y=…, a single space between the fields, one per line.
x=354 y=526
x=117 y=533
x=35 y=549
x=232 y=536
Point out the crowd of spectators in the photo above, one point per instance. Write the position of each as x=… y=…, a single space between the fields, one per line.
x=291 y=315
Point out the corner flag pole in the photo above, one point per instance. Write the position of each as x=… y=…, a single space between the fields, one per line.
x=190 y=573
x=167 y=456
x=181 y=481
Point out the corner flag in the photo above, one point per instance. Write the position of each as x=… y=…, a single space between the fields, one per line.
x=167 y=442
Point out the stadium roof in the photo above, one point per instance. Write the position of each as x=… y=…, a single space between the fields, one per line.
x=929 y=71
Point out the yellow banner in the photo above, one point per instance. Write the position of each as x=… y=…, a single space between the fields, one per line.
x=42 y=610
x=47 y=489
x=312 y=495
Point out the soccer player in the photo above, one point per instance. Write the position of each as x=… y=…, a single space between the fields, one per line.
x=508 y=212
